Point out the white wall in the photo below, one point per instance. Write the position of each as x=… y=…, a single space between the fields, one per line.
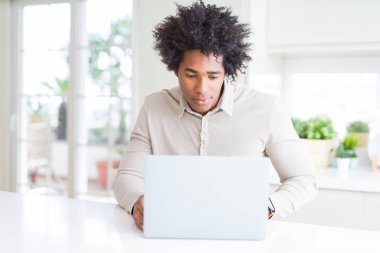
x=323 y=21
x=149 y=74
x=4 y=92
x=265 y=71
x=324 y=26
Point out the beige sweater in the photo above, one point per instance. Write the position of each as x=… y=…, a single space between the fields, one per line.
x=244 y=123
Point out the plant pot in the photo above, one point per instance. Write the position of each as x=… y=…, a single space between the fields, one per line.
x=102 y=166
x=320 y=151
x=62 y=121
x=353 y=163
x=362 y=139
x=343 y=164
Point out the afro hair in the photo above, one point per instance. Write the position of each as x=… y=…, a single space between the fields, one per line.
x=208 y=28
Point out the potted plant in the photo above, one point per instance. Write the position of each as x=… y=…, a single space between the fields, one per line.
x=359 y=129
x=317 y=134
x=60 y=87
x=342 y=158
x=350 y=142
x=300 y=127
x=102 y=166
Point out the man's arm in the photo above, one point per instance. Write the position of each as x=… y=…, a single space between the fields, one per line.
x=292 y=163
x=129 y=185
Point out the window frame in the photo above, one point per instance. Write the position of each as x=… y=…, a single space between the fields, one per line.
x=77 y=178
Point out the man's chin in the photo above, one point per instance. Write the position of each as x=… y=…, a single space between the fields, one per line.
x=201 y=109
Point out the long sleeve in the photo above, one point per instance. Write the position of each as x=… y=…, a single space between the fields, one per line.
x=292 y=163
x=129 y=185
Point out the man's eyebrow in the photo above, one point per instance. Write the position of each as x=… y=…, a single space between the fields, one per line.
x=214 y=72
x=208 y=72
x=190 y=70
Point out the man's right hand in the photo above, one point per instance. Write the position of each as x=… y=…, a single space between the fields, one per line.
x=138 y=213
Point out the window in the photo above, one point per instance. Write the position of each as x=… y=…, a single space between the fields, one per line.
x=74 y=95
x=42 y=95
x=344 y=88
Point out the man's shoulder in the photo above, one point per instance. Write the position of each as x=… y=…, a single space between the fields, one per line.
x=172 y=95
x=164 y=100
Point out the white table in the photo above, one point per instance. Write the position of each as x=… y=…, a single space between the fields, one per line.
x=51 y=224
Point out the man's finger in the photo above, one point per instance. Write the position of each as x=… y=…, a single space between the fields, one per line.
x=139 y=226
x=139 y=220
x=140 y=208
x=138 y=213
x=142 y=201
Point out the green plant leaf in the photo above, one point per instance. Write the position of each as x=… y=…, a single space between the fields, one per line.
x=358 y=127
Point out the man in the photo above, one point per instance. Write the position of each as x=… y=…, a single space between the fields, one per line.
x=208 y=115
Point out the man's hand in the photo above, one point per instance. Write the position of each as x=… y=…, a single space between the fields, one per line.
x=138 y=213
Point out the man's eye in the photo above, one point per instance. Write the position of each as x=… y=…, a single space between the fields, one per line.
x=190 y=76
x=213 y=77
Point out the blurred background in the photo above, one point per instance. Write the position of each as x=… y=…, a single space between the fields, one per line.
x=74 y=74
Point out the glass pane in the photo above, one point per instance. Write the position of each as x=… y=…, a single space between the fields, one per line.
x=43 y=72
x=43 y=94
x=96 y=120
x=46 y=164
x=46 y=26
x=107 y=120
x=107 y=93
x=46 y=147
x=102 y=160
x=109 y=45
x=37 y=112
x=97 y=168
x=100 y=14
x=49 y=112
x=120 y=120
x=109 y=75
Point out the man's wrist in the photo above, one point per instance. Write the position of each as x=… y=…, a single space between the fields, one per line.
x=271 y=209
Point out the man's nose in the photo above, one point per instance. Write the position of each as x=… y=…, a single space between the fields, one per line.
x=201 y=85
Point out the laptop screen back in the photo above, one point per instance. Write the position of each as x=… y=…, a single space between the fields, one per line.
x=205 y=197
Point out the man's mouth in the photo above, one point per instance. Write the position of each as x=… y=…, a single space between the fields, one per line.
x=201 y=101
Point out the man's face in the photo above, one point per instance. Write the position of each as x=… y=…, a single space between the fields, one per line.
x=201 y=79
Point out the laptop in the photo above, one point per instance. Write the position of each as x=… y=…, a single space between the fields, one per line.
x=206 y=197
